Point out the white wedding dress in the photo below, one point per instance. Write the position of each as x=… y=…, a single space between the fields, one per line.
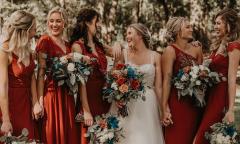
x=142 y=125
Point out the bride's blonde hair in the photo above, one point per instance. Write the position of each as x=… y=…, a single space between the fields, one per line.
x=16 y=34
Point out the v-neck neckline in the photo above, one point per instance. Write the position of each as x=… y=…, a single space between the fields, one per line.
x=59 y=46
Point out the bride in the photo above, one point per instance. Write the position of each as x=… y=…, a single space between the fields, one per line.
x=142 y=125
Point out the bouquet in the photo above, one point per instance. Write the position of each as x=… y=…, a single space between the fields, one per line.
x=21 y=139
x=223 y=133
x=105 y=130
x=123 y=83
x=70 y=72
x=194 y=80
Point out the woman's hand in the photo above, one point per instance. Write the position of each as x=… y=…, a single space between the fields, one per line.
x=117 y=50
x=6 y=127
x=86 y=59
x=166 y=117
x=88 y=118
x=229 y=117
x=37 y=111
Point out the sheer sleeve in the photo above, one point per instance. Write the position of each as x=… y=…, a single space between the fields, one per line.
x=232 y=46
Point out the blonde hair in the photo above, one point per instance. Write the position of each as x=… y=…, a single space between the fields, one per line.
x=16 y=34
x=232 y=22
x=143 y=30
x=173 y=26
x=59 y=10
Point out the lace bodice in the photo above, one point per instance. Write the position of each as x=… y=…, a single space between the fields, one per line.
x=147 y=69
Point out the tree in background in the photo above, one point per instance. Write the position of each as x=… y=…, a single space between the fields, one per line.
x=118 y=14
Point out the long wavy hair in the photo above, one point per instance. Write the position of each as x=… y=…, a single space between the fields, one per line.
x=81 y=29
x=232 y=24
x=16 y=34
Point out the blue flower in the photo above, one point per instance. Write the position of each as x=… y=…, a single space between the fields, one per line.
x=180 y=73
x=112 y=122
x=230 y=130
x=130 y=72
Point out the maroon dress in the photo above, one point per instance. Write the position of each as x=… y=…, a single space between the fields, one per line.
x=94 y=86
x=59 y=125
x=185 y=114
x=20 y=97
x=217 y=102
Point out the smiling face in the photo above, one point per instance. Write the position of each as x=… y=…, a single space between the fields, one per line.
x=186 y=30
x=220 y=27
x=133 y=37
x=56 y=24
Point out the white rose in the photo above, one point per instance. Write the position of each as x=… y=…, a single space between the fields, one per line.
x=63 y=60
x=71 y=67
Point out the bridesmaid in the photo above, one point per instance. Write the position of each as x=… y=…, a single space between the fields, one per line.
x=180 y=116
x=59 y=116
x=84 y=41
x=225 y=57
x=18 y=95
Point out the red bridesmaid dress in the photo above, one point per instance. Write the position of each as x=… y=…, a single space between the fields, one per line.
x=94 y=86
x=20 y=97
x=58 y=125
x=217 y=102
x=185 y=115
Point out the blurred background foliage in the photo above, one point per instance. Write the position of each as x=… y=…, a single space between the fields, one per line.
x=118 y=14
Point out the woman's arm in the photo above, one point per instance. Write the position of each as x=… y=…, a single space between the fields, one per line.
x=40 y=77
x=4 y=103
x=37 y=109
x=88 y=119
x=234 y=58
x=158 y=77
x=113 y=51
x=167 y=69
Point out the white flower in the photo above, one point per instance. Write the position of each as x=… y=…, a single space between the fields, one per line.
x=195 y=69
x=63 y=60
x=77 y=57
x=71 y=67
x=72 y=79
x=198 y=82
x=110 y=135
x=86 y=72
x=184 y=77
x=114 y=86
